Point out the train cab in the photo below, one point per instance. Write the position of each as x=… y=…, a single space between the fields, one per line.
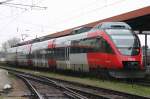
x=127 y=49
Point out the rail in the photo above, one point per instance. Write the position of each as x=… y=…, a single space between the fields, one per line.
x=30 y=86
x=81 y=91
x=70 y=93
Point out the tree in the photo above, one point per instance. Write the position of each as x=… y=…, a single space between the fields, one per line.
x=9 y=43
x=5 y=46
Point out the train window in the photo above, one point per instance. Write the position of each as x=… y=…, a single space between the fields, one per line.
x=125 y=40
x=39 y=54
x=50 y=53
x=34 y=55
x=106 y=47
x=57 y=53
x=74 y=49
x=91 y=45
x=98 y=26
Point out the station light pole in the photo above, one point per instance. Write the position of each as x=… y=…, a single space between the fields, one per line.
x=146 y=49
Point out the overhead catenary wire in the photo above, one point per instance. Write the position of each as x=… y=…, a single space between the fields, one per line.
x=81 y=13
x=78 y=15
x=32 y=6
x=76 y=10
x=80 y=8
x=16 y=7
x=2 y=2
x=18 y=4
x=86 y=12
x=15 y=17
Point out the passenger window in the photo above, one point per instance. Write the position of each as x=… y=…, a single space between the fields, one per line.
x=107 y=48
x=91 y=45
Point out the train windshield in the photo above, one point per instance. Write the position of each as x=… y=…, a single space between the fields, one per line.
x=125 y=40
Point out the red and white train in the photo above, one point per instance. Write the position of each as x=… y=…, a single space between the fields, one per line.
x=110 y=46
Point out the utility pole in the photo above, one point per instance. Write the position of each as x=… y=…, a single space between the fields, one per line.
x=146 y=49
x=145 y=33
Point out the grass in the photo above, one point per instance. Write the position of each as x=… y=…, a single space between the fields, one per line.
x=133 y=89
x=114 y=85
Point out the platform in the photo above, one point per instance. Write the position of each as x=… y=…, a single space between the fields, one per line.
x=5 y=82
x=18 y=89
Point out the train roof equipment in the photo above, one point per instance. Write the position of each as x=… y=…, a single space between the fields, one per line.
x=113 y=25
x=43 y=38
x=80 y=30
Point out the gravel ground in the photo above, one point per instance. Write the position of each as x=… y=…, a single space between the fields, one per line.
x=19 y=90
x=114 y=85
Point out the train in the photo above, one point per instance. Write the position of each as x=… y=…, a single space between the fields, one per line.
x=110 y=47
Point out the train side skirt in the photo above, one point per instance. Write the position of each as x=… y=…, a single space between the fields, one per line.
x=127 y=74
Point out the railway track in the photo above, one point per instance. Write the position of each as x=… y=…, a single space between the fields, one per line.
x=42 y=89
x=96 y=92
x=80 y=91
x=34 y=92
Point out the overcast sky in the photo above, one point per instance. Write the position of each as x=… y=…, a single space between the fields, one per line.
x=59 y=15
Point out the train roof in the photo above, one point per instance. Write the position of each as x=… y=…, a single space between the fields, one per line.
x=44 y=38
x=103 y=25
x=113 y=25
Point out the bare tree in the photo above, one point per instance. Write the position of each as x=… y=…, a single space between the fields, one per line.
x=5 y=46
x=9 y=43
x=13 y=41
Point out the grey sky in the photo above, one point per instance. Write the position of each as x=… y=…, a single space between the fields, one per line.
x=60 y=15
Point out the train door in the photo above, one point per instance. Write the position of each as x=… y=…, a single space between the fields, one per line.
x=30 y=56
x=67 y=55
x=109 y=54
x=16 y=58
x=51 y=54
x=44 y=60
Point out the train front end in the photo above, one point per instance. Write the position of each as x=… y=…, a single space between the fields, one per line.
x=128 y=53
x=124 y=56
